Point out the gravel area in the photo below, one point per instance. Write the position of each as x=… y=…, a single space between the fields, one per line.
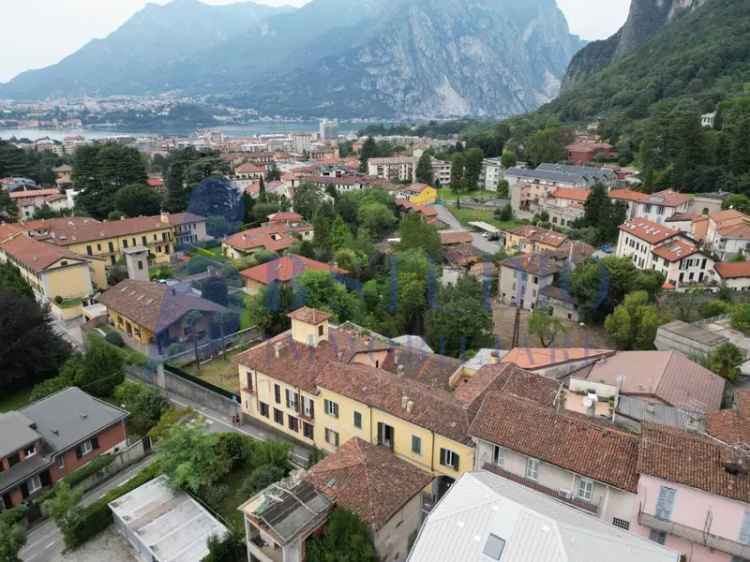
x=108 y=546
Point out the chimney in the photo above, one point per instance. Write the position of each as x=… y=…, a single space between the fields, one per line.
x=164 y=217
x=404 y=402
x=277 y=347
x=409 y=406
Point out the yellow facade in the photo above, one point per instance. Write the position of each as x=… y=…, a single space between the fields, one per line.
x=428 y=196
x=517 y=243
x=160 y=243
x=139 y=333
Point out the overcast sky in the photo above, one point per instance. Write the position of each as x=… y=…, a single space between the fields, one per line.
x=37 y=33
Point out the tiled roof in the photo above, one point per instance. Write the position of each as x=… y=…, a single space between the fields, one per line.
x=666 y=198
x=533 y=358
x=732 y=426
x=578 y=195
x=310 y=315
x=450 y=237
x=285 y=217
x=573 y=442
x=692 y=460
x=535 y=264
x=740 y=231
x=368 y=480
x=675 y=250
x=74 y=230
x=648 y=231
x=667 y=375
x=733 y=270
x=540 y=235
x=286 y=268
x=274 y=238
x=727 y=215
x=430 y=369
x=184 y=218
x=34 y=193
x=36 y=255
x=249 y=169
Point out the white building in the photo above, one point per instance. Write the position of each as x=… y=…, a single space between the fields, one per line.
x=708 y=120
x=727 y=233
x=655 y=207
x=399 y=168
x=441 y=172
x=328 y=130
x=492 y=173
x=523 y=278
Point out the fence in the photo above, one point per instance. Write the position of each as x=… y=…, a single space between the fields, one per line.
x=122 y=459
x=212 y=348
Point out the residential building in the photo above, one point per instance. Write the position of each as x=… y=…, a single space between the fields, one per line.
x=455 y=237
x=663 y=377
x=581 y=153
x=107 y=239
x=272 y=238
x=694 y=490
x=491 y=174
x=250 y=171
x=523 y=278
x=576 y=459
x=668 y=251
x=428 y=212
x=708 y=120
x=560 y=302
x=29 y=201
x=420 y=194
x=727 y=233
x=283 y=271
x=564 y=206
x=153 y=315
x=441 y=172
x=688 y=339
x=734 y=275
x=161 y=523
x=52 y=437
x=342 y=184
x=388 y=494
x=554 y=363
x=654 y=207
x=529 y=239
x=188 y=228
x=398 y=168
x=486 y=517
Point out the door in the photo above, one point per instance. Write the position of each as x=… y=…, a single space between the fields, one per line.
x=385 y=435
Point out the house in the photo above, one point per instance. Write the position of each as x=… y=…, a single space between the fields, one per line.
x=188 y=228
x=688 y=339
x=491 y=174
x=387 y=493
x=671 y=252
x=529 y=239
x=58 y=277
x=250 y=171
x=654 y=207
x=273 y=238
x=161 y=523
x=283 y=270
x=455 y=237
x=727 y=233
x=63 y=176
x=581 y=153
x=441 y=172
x=524 y=277
x=554 y=363
x=52 y=437
x=428 y=212
x=564 y=205
x=156 y=315
x=420 y=194
x=28 y=202
x=734 y=275
x=107 y=239
x=395 y=169
x=694 y=490
x=342 y=184
x=560 y=302
x=665 y=377
x=486 y=517
x=708 y=120
x=572 y=458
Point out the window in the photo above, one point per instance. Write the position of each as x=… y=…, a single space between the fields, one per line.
x=386 y=435
x=292 y=400
x=332 y=409
x=277 y=393
x=140 y=265
x=278 y=416
x=111 y=247
x=494 y=547
x=532 y=469
x=332 y=437
x=307 y=430
x=357 y=420
x=143 y=239
x=264 y=410
x=416 y=445
x=449 y=458
x=621 y=523
x=320 y=330
x=308 y=407
x=34 y=483
x=61 y=461
x=497 y=455
x=665 y=503
x=124 y=243
x=86 y=448
x=585 y=489
x=294 y=424
x=29 y=451
x=89 y=252
x=657 y=536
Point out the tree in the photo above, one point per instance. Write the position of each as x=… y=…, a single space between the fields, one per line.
x=12 y=534
x=740 y=318
x=319 y=289
x=341 y=236
x=369 y=150
x=307 y=200
x=8 y=208
x=270 y=308
x=215 y=289
x=634 y=323
x=473 y=167
x=503 y=189
x=100 y=369
x=215 y=198
x=377 y=218
x=136 y=200
x=344 y=539
x=11 y=280
x=322 y=225
x=273 y=174
x=188 y=458
x=64 y=510
x=738 y=201
x=424 y=168
x=416 y=233
x=458 y=183
x=548 y=145
x=262 y=477
x=144 y=403
x=508 y=159
x=725 y=361
x=31 y=351
x=230 y=548
x=505 y=214
x=545 y=326
x=603 y=214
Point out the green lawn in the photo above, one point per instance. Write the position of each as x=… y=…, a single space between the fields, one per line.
x=219 y=372
x=245 y=320
x=474 y=215
x=447 y=194
x=14 y=400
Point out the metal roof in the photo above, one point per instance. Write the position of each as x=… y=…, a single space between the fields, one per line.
x=534 y=527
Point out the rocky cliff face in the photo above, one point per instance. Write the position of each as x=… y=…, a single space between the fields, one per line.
x=645 y=19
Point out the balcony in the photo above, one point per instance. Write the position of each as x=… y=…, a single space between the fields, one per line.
x=697 y=536
x=264 y=551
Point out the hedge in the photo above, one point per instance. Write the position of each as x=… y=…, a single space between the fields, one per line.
x=75 y=478
x=96 y=517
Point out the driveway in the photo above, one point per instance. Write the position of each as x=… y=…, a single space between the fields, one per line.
x=479 y=242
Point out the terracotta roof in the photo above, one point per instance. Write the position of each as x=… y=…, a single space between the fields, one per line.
x=578 y=195
x=275 y=238
x=250 y=169
x=74 y=230
x=541 y=357
x=153 y=305
x=432 y=409
x=628 y=195
x=700 y=227
x=285 y=217
x=726 y=215
x=541 y=235
x=9 y=230
x=368 y=480
x=287 y=268
x=36 y=255
x=572 y=442
x=310 y=315
x=33 y=194
x=535 y=264
x=683 y=217
x=740 y=231
x=733 y=270
x=430 y=369
x=450 y=237
x=184 y=218
x=692 y=460
x=648 y=231
x=675 y=250
x=666 y=198
x=732 y=426
x=155 y=182
x=667 y=375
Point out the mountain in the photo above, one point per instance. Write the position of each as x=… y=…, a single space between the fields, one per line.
x=369 y=58
x=645 y=19
x=701 y=57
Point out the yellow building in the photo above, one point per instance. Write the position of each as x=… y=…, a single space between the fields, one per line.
x=422 y=194
x=58 y=276
x=319 y=386
x=528 y=239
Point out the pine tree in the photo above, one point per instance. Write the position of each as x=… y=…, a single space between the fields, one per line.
x=369 y=150
x=424 y=168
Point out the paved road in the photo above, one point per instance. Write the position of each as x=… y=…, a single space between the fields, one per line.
x=45 y=542
x=479 y=242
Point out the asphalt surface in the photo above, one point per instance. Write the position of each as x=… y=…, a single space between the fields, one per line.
x=479 y=242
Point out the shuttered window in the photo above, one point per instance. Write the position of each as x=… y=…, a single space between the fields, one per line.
x=665 y=503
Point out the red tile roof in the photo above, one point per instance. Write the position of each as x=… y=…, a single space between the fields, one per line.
x=450 y=237
x=275 y=238
x=732 y=426
x=285 y=217
x=733 y=270
x=75 y=230
x=666 y=198
x=576 y=443
x=36 y=255
x=33 y=194
x=648 y=231
x=578 y=195
x=540 y=235
x=533 y=358
x=676 y=250
x=368 y=480
x=286 y=268
x=310 y=315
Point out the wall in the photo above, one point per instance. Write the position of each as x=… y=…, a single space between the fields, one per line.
x=111 y=439
x=191 y=391
x=392 y=540
x=160 y=243
x=69 y=282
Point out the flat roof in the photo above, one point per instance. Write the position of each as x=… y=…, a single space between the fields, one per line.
x=481 y=225
x=170 y=524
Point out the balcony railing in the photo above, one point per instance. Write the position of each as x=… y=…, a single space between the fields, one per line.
x=697 y=536
x=265 y=551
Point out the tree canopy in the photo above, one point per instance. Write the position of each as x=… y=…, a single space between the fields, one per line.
x=137 y=200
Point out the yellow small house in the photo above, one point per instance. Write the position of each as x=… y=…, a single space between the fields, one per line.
x=529 y=239
x=421 y=194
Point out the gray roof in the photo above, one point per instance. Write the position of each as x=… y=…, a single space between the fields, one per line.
x=652 y=412
x=171 y=525
x=694 y=332
x=23 y=470
x=68 y=417
x=586 y=171
x=558 y=294
x=533 y=526
x=415 y=342
x=560 y=173
x=16 y=431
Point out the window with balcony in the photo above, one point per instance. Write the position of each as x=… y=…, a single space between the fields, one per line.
x=532 y=469
x=449 y=458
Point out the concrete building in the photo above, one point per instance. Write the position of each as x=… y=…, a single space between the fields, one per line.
x=188 y=228
x=491 y=174
x=736 y=275
x=654 y=207
x=165 y=525
x=564 y=206
x=441 y=172
x=398 y=168
x=522 y=279
x=688 y=339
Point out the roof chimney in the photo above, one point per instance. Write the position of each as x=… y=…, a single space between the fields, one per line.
x=404 y=402
x=409 y=406
x=164 y=217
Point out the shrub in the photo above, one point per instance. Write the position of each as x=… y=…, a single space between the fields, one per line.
x=144 y=403
x=741 y=317
x=168 y=420
x=100 y=462
x=261 y=478
x=231 y=548
x=115 y=339
x=50 y=386
x=715 y=308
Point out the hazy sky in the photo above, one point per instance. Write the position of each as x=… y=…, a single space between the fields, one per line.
x=37 y=33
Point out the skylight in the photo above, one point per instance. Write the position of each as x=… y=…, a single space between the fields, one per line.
x=494 y=547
